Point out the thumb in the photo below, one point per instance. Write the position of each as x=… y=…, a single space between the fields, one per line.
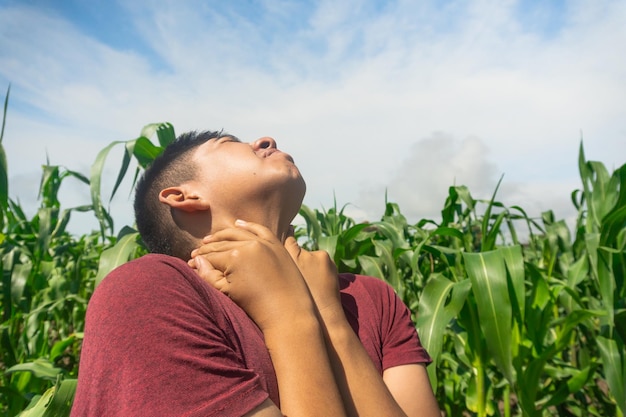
x=203 y=266
x=210 y=275
x=206 y=271
x=292 y=247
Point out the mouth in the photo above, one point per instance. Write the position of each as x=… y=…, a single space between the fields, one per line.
x=276 y=152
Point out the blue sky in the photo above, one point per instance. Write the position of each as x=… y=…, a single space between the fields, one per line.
x=407 y=97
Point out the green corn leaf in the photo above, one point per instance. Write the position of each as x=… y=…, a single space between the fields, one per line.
x=476 y=398
x=149 y=130
x=115 y=256
x=4 y=167
x=59 y=347
x=489 y=240
x=436 y=250
x=571 y=299
x=577 y=272
x=4 y=114
x=166 y=134
x=164 y=131
x=4 y=179
x=566 y=325
x=439 y=303
x=607 y=283
x=353 y=232
x=371 y=266
x=41 y=368
x=615 y=220
x=19 y=280
x=456 y=196
x=514 y=262
x=328 y=244
x=447 y=231
x=489 y=285
x=145 y=151
x=46 y=216
x=601 y=192
x=95 y=184
x=38 y=404
x=586 y=176
x=620 y=323
x=314 y=228
x=530 y=378
x=489 y=234
x=450 y=208
x=393 y=233
x=123 y=168
x=573 y=385
x=384 y=251
x=614 y=365
x=592 y=243
x=55 y=402
x=604 y=192
x=465 y=196
x=61 y=404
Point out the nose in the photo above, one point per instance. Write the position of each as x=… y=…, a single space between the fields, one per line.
x=264 y=143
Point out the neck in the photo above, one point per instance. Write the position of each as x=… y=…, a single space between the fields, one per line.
x=279 y=223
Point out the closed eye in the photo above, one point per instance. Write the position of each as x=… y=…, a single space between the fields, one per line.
x=224 y=139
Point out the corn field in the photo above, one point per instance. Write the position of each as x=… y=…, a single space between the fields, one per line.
x=531 y=326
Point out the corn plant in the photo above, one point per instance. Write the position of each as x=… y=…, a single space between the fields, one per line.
x=48 y=276
x=531 y=326
x=47 y=280
x=514 y=328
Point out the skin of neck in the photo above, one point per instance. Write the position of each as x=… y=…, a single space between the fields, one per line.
x=277 y=218
x=275 y=215
x=274 y=209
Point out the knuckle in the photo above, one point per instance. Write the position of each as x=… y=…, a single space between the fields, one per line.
x=322 y=255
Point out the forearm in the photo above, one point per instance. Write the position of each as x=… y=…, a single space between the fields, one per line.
x=362 y=387
x=252 y=267
x=303 y=369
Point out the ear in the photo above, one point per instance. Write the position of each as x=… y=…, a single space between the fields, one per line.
x=183 y=197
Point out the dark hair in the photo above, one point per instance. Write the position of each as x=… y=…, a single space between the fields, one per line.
x=154 y=220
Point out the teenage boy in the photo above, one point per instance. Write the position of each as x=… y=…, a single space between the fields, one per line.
x=229 y=316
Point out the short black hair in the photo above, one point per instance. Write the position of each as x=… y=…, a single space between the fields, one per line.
x=154 y=220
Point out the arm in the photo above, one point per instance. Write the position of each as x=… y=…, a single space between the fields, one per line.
x=157 y=342
x=410 y=386
x=401 y=391
x=253 y=268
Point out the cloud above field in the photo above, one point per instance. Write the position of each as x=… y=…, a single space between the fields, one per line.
x=365 y=95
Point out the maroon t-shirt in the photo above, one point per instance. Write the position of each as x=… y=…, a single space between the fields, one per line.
x=159 y=341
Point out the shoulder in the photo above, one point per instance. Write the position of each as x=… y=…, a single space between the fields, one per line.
x=151 y=280
x=151 y=269
x=148 y=264
x=368 y=298
x=363 y=285
x=153 y=293
x=381 y=320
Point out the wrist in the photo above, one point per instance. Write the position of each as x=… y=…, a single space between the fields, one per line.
x=336 y=325
x=333 y=317
x=292 y=330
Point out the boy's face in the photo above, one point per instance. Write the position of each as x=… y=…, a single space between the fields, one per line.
x=235 y=172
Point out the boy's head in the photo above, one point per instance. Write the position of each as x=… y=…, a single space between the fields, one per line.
x=204 y=181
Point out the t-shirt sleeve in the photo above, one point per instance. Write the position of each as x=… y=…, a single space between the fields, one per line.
x=153 y=347
x=400 y=342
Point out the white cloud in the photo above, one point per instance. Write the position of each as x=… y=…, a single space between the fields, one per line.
x=346 y=88
x=431 y=165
